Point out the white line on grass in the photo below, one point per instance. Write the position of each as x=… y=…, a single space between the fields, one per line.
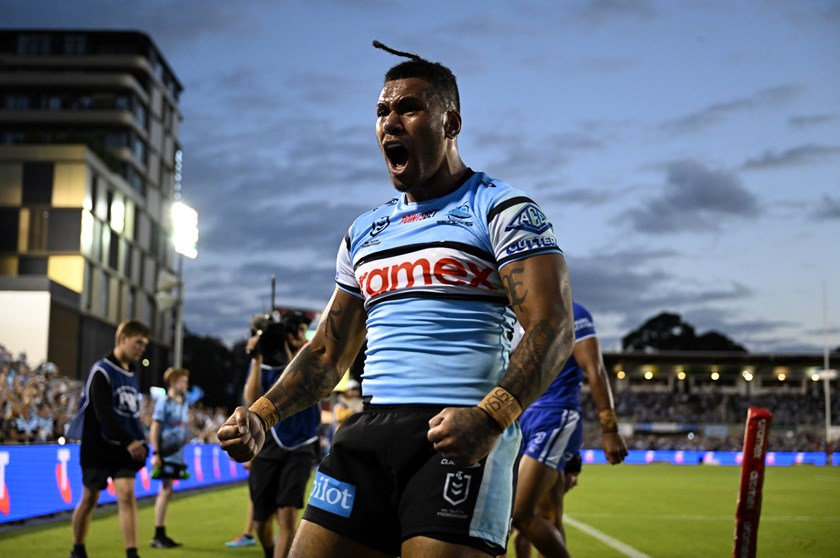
x=616 y=544
x=686 y=517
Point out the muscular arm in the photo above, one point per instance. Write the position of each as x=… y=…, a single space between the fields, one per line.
x=588 y=355
x=308 y=378
x=539 y=291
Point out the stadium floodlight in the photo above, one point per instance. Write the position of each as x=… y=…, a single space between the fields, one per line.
x=185 y=241
x=828 y=375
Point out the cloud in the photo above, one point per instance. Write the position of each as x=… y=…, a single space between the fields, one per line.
x=718 y=112
x=795 y=156
x=806 y=121
x=828 y=209
x=597 y=12
x=694 y=198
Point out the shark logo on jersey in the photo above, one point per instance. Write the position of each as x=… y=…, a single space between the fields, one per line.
x=459 y=216
x=530 y=218
x=379 y=225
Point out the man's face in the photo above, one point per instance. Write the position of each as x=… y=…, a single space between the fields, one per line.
x=133 y=347
x=410 y=132
x=296 y=338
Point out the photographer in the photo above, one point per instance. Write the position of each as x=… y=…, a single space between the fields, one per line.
x=279 y=473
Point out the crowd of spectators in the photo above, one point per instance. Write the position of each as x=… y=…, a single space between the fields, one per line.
x=37 y=403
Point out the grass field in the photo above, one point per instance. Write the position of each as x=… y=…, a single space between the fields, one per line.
x=660 y=511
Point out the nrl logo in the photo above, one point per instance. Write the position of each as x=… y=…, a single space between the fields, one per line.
x=530 y=219
x=457 y=488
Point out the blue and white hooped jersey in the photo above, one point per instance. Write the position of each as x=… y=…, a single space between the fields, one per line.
x=438 y=320
x=564 y=391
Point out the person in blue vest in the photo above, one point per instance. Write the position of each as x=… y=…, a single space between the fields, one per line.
x=113 y=439
x=169 y=433
x=279 y=473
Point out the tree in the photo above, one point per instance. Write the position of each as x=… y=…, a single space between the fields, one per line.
x=668 y=332
x=211 y=367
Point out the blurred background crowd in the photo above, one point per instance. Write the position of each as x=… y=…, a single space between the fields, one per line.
x=37 y=402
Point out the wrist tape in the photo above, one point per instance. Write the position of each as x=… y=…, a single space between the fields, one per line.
x=502 y=406
x=609 y=421
x=266 y=410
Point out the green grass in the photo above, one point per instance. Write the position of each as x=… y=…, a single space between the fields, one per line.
x=663 y=511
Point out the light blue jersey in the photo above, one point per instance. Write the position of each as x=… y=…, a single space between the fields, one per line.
x=439 y=324
x=174 y=419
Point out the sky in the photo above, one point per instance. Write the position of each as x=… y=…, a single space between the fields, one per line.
x=687 y=153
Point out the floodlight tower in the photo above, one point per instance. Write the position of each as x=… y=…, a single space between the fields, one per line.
x=185 y=240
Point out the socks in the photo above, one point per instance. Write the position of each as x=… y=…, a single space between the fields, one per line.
x=131 y=553
x=268 y=552
x=79 y=551
x=160 y=532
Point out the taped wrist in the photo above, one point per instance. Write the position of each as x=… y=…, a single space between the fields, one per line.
x=609 y=421
x=267 y=412
x=502 y=406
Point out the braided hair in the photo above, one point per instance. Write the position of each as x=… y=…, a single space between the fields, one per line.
x=443 y=81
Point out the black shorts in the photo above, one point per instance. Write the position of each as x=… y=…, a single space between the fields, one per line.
x=280 y=483
x=383 y=483
x=96 y=478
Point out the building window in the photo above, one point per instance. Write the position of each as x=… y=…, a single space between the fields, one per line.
x=39 y=224
x=34 y=44
x=64 y=232
x=114 y=251
x=38 y=183
x=104 y=289
x=9 y=223
x=32 y=266
x=75 y=44
x=16 y=101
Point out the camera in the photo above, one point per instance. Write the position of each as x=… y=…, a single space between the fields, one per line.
x=272 y=329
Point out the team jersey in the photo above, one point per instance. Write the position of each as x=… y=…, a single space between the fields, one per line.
x=174 y=419
x=293 y=432
x=564 y=391
x=438 y=319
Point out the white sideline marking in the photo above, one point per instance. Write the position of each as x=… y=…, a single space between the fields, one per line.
x=686 y=517
x=616 y=544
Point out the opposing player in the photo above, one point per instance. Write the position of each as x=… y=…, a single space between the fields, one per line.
x=169 y=433
x=113 y=440
x=552 y=432
x=279 y=473
x=434 y=279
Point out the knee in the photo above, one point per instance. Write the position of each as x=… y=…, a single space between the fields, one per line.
x=522 y=520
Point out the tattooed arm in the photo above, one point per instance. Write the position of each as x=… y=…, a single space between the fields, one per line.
x=308 y=378
x=541 y=295
x=539 y=292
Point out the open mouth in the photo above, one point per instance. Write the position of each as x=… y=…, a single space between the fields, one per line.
x=396 y=154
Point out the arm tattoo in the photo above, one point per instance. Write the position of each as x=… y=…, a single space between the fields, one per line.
x=302 y=385
x=533 y=364
x=511 y=284
x=330 y=328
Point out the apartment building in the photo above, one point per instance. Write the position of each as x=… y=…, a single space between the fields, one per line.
x=89 y=168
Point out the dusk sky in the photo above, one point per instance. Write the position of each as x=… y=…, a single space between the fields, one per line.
x=687 y=153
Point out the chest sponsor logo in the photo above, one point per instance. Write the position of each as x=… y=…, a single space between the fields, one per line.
x=379 y=225
x=422 y=272
x=414 y=217
x=332 y=495
x=530 y=218
x=456 y=489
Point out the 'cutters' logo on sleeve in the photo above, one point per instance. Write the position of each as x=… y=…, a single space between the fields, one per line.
x=530 y=218
x=332 y=495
